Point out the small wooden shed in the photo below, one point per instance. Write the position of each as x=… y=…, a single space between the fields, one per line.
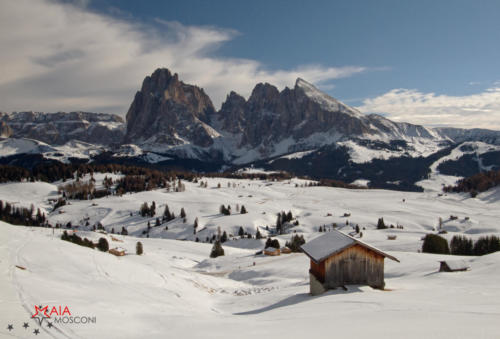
x=338 y=260
x=285 y=250
x=118 y=251
x=453 y=266
x=272 y=251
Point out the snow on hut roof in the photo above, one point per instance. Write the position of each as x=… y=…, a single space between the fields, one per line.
x=270 y=249
x=334 y=242
x=456 y=265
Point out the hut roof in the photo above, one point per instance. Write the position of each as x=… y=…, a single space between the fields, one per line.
x=334 y=242
x=456 y=265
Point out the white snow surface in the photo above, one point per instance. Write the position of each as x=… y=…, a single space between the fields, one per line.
x=175 y=290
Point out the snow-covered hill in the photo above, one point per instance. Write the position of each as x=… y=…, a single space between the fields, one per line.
x=176 y=290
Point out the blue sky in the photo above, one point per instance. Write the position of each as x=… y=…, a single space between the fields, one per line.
x=434 y=46
x=428 y=62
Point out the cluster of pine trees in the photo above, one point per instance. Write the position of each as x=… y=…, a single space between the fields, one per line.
x=460 y=245
x=274 y=243
x=282 y=219
x=295 y=243
x=75 y=239
x=148 y=211
x=21 y=215
x=477 y=183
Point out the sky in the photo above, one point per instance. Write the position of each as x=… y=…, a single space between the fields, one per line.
x=435 y=63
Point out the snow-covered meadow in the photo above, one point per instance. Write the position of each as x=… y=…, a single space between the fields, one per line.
x=176 y=290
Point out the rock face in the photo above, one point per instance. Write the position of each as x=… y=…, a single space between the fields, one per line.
x=270 y=115
x=168 y=112
x=59 y=128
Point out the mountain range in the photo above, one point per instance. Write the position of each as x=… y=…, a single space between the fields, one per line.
x=299 y=129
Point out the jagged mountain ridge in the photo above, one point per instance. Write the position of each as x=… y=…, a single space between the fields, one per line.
x=61 y=128
x=170 y=116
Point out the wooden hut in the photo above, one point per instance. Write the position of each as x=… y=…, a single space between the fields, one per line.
x=118 y=251
x=272 y=251
x=285 y=250
x=453 y=266
x=338 y=260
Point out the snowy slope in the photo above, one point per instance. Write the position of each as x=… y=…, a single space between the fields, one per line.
x=174 y=290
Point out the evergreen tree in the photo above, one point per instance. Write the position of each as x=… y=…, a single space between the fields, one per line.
x=103 y=245
x=296 y=242
x=279 y=225
x=195 y=225
x=144 y=209
x=381 y=224
x=157 y=223
x=321 y=229
x=166 y=213
x=241 y=232
x=435 y=244
x=124 y=231
x=183 y=213
x=243 y=209
x=138 y=248
x=258 y=235
x=152 y=209
x=272 y=243
x=223 y=238
x=217 y=250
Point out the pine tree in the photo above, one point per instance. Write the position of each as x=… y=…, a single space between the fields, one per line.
x=241 y=232
x=258 y=235
x=272 y=243
x=183 y=213
x=144 y=209
x=158 y=223
x=124 y=231
x=103 y=245
x=296 y=242
x=166 y=213
x=195 y=225
x=321 y=229
x=138 y=248
x=152 y=210
x=217 y=250
x=381 y=224
x=279 y=224
x=223 y=238
x=243 y=209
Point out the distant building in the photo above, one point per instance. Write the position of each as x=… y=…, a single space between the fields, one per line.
x=338 y=260
x=453 y=266
x=272 y=251
x=118 y=251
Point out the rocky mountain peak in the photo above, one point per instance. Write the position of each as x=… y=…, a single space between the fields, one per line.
x=166 y=111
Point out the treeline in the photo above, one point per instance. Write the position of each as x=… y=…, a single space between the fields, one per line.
x=475 y=184
x=21 y=215
x=460 y=245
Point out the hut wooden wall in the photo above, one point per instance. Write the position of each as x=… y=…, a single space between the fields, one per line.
x=318 y=270
x=355 y=265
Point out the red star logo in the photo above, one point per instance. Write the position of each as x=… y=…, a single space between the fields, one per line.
x=40 y=309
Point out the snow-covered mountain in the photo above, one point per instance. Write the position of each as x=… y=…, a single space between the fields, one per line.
x=60 y=128
x=299 y=129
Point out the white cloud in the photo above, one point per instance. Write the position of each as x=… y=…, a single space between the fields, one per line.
x=58 y=56
x=480 y=110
